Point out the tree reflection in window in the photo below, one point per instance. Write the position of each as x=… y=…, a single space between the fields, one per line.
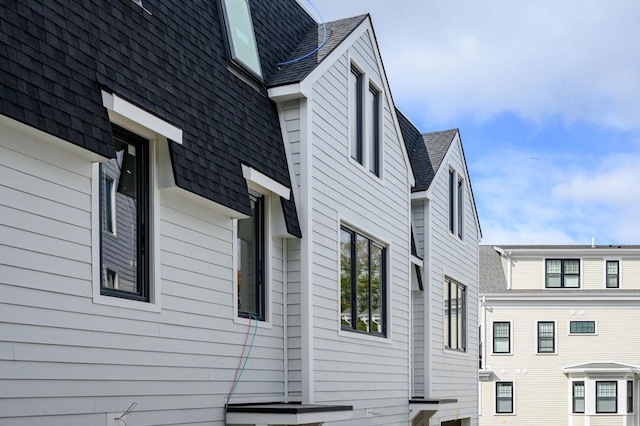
x=362 y=272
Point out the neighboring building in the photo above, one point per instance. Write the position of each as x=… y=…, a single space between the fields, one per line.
x=560 y=339
x=202 y=223
x=445 y=280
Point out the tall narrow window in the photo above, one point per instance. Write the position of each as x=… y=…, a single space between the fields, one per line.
x=501 y=337
x=606 y=397
x=452 y=215
x=546 y=337
x=124 y=203
x=251 y=262
x=613 y=274
x=460 y=207
x=373 y=97
x=242 y=41
x=562 y=273
x=578 y=397
x=504 y=397
x=362 y=283
x=629 y=396
x=356 y=115
x=455 y=315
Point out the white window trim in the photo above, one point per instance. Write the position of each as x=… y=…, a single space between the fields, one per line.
x=604 y=280
x=349 y=335
x=570 y=320
x=510 y=353
x=513 y=396
x=555 y=338
x=367 y=81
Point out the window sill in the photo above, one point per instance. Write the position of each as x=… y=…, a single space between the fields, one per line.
x=245 y=321
x=461 y=354
x=364 y=336
x=119 y=302
x=377 y=179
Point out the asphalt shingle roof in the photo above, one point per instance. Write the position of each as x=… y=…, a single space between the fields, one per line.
x=438 y=144
x=492 y=274
x=58 y=55
x=337 y=31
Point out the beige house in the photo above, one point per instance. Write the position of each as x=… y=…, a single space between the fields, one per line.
x=560 y=335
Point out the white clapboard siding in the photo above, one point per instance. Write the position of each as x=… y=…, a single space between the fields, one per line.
x=452 y=375
x=370 y=374
x=65 y=360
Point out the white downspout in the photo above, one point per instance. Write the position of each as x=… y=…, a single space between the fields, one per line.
x=285 y=334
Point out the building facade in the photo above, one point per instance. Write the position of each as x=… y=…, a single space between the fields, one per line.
x=559 y=335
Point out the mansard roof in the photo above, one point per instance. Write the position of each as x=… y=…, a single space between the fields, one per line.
x=297 y=70
x=173 y=64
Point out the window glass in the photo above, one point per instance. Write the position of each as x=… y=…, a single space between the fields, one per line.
x=582 y=327
x=455 y=316
x=572 y=273
x=124 y=204
x=606 y=397
x=452 y=179
x=240 y=34
x=373 y=100
x=362 y=283
x=613 y=280
x=504 y=397
x=355 y=109
x=562 y=273
x=629 y=396
x=501 y=338
x=578 y=397
x=250 y=246
x=546 y=338
x=460 y=207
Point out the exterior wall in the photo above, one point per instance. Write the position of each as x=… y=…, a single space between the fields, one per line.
x=539 y=380
x=369 y=372
x=65 y=360
x=453 y=374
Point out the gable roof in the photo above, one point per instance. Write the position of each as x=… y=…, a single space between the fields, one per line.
x=173 y=64
x=336 y=33
x=438 y=144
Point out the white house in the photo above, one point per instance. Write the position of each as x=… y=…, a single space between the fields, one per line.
x=560 y=341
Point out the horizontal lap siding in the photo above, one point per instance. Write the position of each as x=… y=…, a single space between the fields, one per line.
x=418 y=343
x=67 y=361
x=370 y=374
x=453 y=375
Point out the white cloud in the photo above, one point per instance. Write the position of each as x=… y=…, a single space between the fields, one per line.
x=578 y=60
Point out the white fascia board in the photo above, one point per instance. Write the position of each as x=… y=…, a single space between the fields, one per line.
x=265 y=182
x=289 y=92
x=126 y=109
x=602 y=299
x=421 y=195
x=417 y=261
x=551 y=251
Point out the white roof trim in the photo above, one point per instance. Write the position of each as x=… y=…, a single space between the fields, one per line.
x=417 y=261
x=126 y=109
x=265 y=182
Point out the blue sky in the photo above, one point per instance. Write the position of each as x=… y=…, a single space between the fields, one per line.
x=546 y=94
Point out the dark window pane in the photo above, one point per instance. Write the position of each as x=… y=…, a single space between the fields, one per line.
x=362 y=282
x=582 y=327
x=250 y=269
x=377 y=263
x=356 y=115
x=373 y=98
x=345 y=278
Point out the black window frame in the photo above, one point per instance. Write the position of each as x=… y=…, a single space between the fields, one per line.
x=452 y=223
x=375 y=130
x=259 y=262
x=143 y=217
x=607 y=398
x=353 y=302
x=510 y=398
x=563 y=275
x=575 y=398
x=546 y=338
x=629 y=396
x=582 y=327
x=460 y=344
x=616 y=275
x=508 y=338
x=358 y=116
x=460 y=208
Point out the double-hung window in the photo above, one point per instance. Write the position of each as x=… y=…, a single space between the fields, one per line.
x=364 y=121
x=455 y=315
x=251 y=261
x=125 y=219
x=242 y=41
x=629 y=396
x=578 y=397
x=504 y=397
x=501 y=337
x=606 y=397
x=562 y=273
x=362 y=283
x=613 y=274
x=546 y=337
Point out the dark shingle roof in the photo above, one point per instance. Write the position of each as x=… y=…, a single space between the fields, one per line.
x=423 y=170
x=337 y=31
x=174 y=64
x=492 y=274
x=438 y=144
